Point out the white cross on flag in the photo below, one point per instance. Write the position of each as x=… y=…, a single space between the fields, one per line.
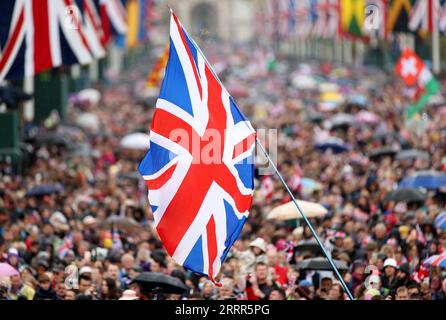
x=409 y=67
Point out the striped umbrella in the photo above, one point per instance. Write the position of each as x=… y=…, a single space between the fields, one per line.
x=438 y=260
x=440 y=221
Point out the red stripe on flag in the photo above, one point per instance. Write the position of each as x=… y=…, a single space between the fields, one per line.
x=430 y=15
x=81 y=34
x=212 y=245
x=161 y=180
x=12 y=41
x=191 y=59
x=106 y=33
x=42 y=45
x=89 y=11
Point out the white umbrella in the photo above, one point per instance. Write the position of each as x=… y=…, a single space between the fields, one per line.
x=88 y=120
x=91 y=95
x=138 y=141
x=288 y=211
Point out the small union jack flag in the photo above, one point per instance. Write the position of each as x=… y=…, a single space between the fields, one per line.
x=199 y=168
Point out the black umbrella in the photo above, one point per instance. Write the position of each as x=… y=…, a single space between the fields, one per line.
x=155 y=283
x=120 y=222
x=44 y=189
x=131 y=175
x=321 y=264
x=53 y=139
x=340 y=120
x=382 y=152
x=412 y=154
x=307 y=245
x=406 y=195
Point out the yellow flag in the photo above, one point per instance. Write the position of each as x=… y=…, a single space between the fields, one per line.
x=353 y=16
x=133 y=23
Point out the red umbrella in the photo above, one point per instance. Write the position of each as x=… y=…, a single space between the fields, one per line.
x=6 y=270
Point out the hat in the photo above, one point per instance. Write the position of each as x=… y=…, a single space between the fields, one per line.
x=305 y=283
x=259 y=243
x=89 y=220
x=43 y=263
x=404 y=267
x=59 y=221
x=372 y=245
x=340 y=234
x=85 y=269
x=27 y=267
x=129 y=295
x=13 y=252
x=390 y=263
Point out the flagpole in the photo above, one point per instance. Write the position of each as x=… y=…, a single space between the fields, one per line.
x=330 y=260
x=436 y=67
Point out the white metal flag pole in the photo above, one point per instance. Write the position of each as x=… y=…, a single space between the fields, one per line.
x=327 y=255
x=435 y=41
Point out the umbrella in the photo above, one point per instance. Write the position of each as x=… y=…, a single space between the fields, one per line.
x=331 y=96
x=89 y=121
x=93 y=96
x=406 y=195
x=288 y=211
x=367 y=117
x=307 y=245
x=310 y=185
x=429 y=179
x=52 y=139
x=84 y=150
x=131 y=175
x=438 y=260
x=154 y=282
x=120 y=222
x=382 y=152
x=340 y=120
x=6 y=270
x=412 y=154
x=332 y=143
x=138 y=141
x=321 y=263
x=44 y=189
x=440 y=221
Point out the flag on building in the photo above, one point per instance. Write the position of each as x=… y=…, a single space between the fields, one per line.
x=352 y=17
x=380 y=11
x=304 y=19
x=333 y=24
x=157 y=72
x=414 y=72
x=113 y=19
x=442 y=18
x=199 y=169
x=424 y=15
x=91 y=22
x=39 y=35
x=320 y=29
x=398 y=15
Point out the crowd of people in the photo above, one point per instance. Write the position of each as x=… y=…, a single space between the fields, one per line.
x=76 y=224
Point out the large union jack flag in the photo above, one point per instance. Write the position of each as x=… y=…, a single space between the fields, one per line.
x=199 y=169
